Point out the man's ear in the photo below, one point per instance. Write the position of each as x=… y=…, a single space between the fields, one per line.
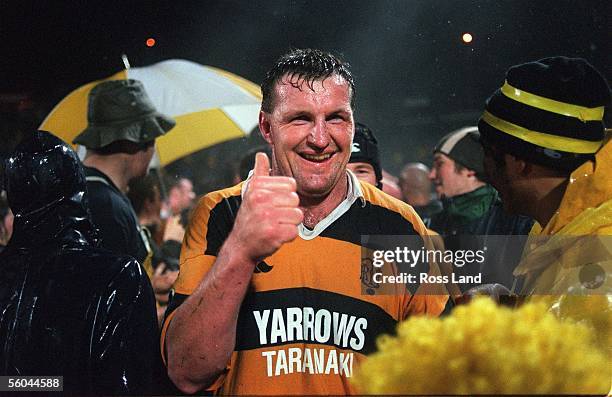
x=264 y=126
x=517 y=166
x=147 y=205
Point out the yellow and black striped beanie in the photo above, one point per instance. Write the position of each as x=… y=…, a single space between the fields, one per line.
x=549 y=112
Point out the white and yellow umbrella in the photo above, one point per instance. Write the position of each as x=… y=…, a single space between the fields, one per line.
x=209 y=105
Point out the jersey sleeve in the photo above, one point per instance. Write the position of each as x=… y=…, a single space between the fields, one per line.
x=209 y=225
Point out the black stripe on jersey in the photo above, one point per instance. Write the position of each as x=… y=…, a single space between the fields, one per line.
x=342 y=312
x=368 y=220
x=378 y=223
x=220 y=223
x=174 y=301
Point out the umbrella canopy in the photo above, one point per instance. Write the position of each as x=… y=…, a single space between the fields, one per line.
x=209 y=105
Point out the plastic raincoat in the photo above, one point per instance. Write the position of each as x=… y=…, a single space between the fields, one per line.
x=66 y=307
x=568 y=263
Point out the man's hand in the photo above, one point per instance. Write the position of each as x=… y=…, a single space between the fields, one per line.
x=174 y=230
x=269 y=213
x=499 y=293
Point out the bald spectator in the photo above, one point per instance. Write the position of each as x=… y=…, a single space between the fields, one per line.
x=415 y=186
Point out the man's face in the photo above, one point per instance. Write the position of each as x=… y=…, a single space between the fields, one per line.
x=363 y=171
x=447 y=181
x=141 y=161
x=497 y=176
x=155 y=204
x=310 y=132
x=185 y=193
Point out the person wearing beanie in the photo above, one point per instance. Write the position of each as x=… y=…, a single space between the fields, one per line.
x=547 y=153
x=120 y=140
x=471 y=207
x=365 y=161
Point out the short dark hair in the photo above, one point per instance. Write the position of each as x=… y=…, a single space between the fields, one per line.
x=142 y=189
x=307 y=65
x=174 y=180
x=123 y=146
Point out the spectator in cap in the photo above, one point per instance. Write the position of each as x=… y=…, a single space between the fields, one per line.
x=364 y=161
x=547 y=153
x=120 y=141
x=457 y=177
x=471 y=207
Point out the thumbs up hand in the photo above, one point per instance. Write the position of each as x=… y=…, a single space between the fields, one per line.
x=269 y=213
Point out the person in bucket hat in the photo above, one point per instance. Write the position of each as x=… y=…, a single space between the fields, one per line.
x=120 y=140
x=121 y=110
x=547 y=152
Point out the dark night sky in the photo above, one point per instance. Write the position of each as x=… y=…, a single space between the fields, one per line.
x=415 y=79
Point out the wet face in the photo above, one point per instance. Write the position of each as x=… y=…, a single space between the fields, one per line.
x=363 y=171
x=447 y=180
x=310 y=131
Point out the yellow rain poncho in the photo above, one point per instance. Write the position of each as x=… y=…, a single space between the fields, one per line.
x=568 y=263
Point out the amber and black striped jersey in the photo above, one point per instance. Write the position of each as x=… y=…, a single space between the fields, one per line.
x=306 y=321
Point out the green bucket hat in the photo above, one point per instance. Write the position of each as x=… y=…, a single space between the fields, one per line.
x=121 y=110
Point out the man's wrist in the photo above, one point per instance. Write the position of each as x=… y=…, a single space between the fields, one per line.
x=235 y=253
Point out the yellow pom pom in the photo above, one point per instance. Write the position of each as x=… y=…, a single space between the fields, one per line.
x=483 y=348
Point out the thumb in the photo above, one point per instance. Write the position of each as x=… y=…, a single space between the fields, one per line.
x=262 y=165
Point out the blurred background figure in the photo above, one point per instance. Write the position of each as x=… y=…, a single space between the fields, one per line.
x=66 y=307
x=247 y=163
x=391 y=185
x=415 y=186
x=144 y=194
x=166 y=269
x=457 y=175
x=6 y=221
x=180 y=196
x=364 y=161
x=120 y=141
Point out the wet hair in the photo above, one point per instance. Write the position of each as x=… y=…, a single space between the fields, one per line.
x=141 y=190
x=304 y=66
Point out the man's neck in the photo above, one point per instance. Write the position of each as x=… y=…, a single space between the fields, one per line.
x=315 y=208
x=149 y=219
x=548 y=198
x=112 y=166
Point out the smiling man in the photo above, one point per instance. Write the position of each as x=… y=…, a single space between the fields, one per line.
x=269 y=298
